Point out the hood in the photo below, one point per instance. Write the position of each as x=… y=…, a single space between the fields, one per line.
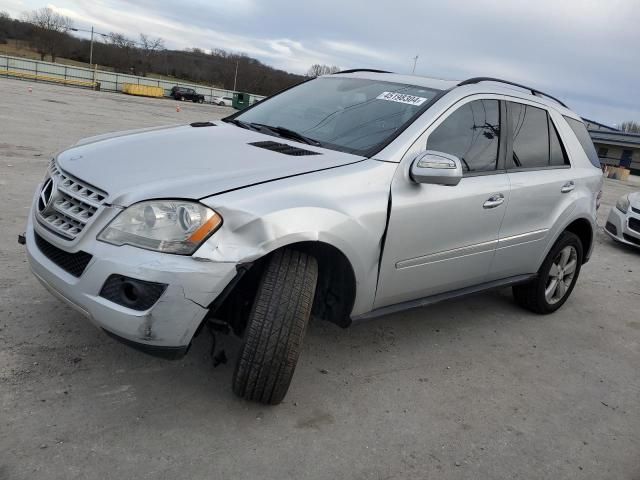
x=187 y=162
x=634 y=199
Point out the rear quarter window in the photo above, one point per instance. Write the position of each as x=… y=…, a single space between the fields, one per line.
x=530 y=135
x=581 y=132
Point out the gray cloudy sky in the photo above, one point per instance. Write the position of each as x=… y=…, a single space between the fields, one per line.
x=586 y=52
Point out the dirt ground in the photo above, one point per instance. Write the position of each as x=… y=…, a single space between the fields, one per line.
x=475 y=388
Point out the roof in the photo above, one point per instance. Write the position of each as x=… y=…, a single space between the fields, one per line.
x=622 y=139
x=613 y=129
x=484 y=86
x=417 y=80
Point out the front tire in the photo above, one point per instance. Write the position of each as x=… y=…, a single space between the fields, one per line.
x=276 y=327
x=556 y=278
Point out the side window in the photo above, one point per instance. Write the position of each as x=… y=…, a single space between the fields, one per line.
x=471 y=133
x=558 y=155
x=530 y=133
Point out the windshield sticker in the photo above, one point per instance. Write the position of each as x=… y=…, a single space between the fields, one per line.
x=401 y=98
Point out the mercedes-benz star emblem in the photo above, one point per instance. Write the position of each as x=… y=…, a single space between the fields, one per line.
x=46 y=194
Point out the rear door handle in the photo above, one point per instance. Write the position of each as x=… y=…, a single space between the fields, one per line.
x=567 y=187
x=494 y=201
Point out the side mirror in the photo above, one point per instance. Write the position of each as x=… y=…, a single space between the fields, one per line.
x=436 y=168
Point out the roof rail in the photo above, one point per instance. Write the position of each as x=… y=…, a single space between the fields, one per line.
x=533 y=91
x=354 y=70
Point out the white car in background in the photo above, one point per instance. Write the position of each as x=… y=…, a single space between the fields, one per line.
x=623 y=223
x=222 y=101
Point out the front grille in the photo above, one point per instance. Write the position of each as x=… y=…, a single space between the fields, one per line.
x=635 y=209
x=72 y=263
x=631 y=239
x=634 y=224
x=71 y=206
x=283 y=148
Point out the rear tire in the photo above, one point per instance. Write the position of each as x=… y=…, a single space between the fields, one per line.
x=556 y=278
x=276 y=327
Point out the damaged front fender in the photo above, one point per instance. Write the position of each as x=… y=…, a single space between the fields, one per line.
x=344 y=207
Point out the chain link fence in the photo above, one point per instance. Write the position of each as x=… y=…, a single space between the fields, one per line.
x=15 y=67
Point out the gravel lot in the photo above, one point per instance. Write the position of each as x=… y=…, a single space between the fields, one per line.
x=476 y=388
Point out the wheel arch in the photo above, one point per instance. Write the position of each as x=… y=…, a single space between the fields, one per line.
x=335 y=292
x=580 y=226
x=583 y=229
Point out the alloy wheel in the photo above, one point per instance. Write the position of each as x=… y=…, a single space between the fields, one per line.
x=561 y=274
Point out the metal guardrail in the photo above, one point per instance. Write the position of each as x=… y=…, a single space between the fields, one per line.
x=16 y=67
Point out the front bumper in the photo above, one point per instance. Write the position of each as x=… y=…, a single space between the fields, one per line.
x=617 y=227
x=167 y=327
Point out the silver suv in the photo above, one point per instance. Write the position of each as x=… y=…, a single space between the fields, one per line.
x=346 y=197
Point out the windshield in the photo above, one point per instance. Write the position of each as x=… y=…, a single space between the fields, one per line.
x=348 y=114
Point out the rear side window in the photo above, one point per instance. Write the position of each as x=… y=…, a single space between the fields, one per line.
x=585 y=140
x=557 y=153
x=530 y=134
x=471 y=133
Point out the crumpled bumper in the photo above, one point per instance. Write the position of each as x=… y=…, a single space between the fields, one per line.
x=167 y=327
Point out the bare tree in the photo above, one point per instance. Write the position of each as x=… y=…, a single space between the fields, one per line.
x=317 y=70
x=149 y=47
x=4 y=15
x=120 y=41
x=630 y=126
x=51 y=28
x=125 y=47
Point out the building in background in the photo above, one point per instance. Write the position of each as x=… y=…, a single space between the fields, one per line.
x=615 y=147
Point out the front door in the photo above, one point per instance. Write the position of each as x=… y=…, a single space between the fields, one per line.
x=443 y=238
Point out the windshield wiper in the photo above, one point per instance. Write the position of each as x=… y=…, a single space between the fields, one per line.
x=287 y=133
x=241 y=124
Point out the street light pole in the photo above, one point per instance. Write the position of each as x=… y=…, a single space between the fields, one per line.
x=92 y=31
x=415 y=60
x=91 y=48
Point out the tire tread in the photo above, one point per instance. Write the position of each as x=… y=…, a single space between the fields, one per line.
x=276 y=327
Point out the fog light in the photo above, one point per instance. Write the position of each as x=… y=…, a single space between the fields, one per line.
x=132 y=293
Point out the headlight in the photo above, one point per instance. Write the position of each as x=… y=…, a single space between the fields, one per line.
x=170 y=226
x=623 y=204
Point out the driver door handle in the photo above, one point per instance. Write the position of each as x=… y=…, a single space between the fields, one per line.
x=567 y=187
x=494 y=201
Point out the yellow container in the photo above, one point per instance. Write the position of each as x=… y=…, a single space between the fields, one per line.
x=143 y=90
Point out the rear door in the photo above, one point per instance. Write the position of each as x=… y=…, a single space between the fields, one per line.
x=541 y=180
x=443 y=238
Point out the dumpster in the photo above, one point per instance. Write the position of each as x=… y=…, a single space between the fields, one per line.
x=240 y=100
x=143 y=90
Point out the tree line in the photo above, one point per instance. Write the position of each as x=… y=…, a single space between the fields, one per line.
x=630 y=126
x=48 y=33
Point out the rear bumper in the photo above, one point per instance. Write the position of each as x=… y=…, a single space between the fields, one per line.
x=167 y=327
x=617 y=227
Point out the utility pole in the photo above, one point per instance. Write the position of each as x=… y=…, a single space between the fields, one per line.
x=415 y=61
x=235 y=78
